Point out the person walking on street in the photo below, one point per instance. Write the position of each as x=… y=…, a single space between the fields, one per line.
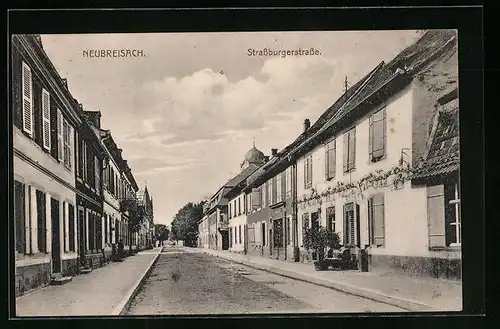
x=121 y=248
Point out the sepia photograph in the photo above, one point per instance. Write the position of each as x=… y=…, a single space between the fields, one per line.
x=230 y=173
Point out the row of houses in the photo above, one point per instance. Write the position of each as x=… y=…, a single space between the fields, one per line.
x=74 y=195
x=380 y=167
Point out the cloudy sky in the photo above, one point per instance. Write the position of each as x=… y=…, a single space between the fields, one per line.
x=186 y=113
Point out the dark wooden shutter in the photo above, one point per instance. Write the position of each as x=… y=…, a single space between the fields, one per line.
x=71 y=233
x=41 y=221
x=378 y=220
x=435 y=216
x=20 y=216
x=349 y=225
x=99 y=232
x=64 y=219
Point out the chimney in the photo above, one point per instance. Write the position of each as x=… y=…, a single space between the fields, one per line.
x=307 y=124
x=274 y=152
x=94 y=117
x=266 y=158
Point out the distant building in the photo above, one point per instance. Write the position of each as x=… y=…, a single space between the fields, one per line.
x=145 y=235
x=226 y=216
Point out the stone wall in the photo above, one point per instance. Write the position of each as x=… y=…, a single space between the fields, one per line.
x=31 y=277
x=70 y=267
x=442 y=268
x=95 y=260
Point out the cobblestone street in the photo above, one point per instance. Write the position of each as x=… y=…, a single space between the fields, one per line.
x=190 y=283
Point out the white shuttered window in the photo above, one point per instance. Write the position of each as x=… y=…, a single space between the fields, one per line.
x=60 y=120
x=27 y=90
x=46 y=119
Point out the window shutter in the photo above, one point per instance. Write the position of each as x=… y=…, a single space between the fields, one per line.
x=71 y=143
x=78 y=163
x=96 y=168
x=41 y=220
x=370 y=138
x=46 y=119
x=378 y=220
x=352 y=149
x=346 y=152
x=27 y=217
x=20 y=216
x=255 y=198
x=435 y=215
x=378 y=136
x=27 y=90
x=349 y=232
x=309 y=177
x=60 y=145
x=71 y=227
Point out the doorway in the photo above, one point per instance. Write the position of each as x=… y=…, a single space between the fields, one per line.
x=56 y=240
x=225 y=240
x=81 y=236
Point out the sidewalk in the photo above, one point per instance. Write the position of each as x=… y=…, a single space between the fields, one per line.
x=411 y=293
x=104 y=291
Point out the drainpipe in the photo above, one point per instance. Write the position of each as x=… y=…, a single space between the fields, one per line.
x=295 y=218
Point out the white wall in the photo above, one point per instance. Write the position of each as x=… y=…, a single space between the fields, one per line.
x=29 y=175
x=405 y=209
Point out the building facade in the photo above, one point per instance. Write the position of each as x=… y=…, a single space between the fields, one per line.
x=355 y=175
x=74 y=194
x=45 y=117
x=145 y=235
x=380 y=167
x=271 y=212
x=203 y=236
x=89 y=155
x=120 y=199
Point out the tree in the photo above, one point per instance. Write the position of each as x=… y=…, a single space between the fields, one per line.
x=319 y=240
x=185 y=223
x=161 y=232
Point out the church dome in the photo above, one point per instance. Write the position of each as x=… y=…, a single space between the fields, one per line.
x=254 y=156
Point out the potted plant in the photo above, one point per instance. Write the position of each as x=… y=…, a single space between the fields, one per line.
x=319 y=240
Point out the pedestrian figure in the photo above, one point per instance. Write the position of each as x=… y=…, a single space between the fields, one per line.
x=121 y=247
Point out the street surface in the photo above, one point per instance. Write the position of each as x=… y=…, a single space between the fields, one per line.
x=197 y=284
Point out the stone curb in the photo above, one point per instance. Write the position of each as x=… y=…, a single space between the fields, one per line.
x=124 y=304
x=406 y=304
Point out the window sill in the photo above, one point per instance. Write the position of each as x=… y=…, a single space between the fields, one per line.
x=377 y=161
x=452 y=247
x=349 y=171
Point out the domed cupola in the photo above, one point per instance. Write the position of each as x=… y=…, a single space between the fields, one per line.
x=253 y=156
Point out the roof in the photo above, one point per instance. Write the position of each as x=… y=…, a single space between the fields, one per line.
x=241 y=176
x=230 y=185
x=443 y=154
